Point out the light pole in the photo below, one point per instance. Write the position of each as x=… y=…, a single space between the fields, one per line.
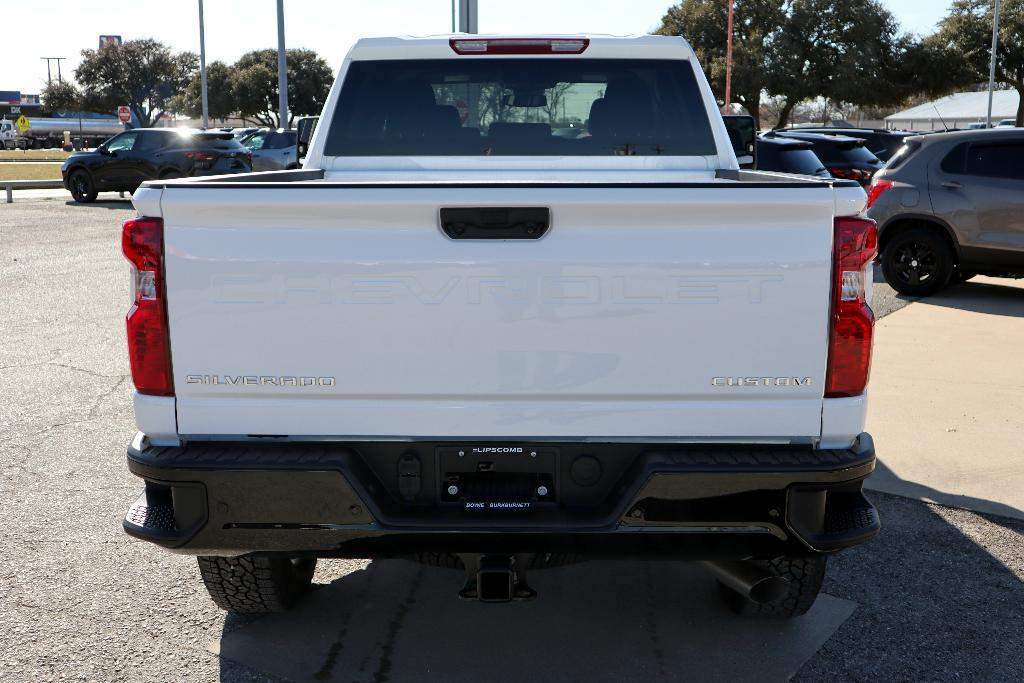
x=728 y=63
x=282 y=68
x=467 y=16
x=202 y=68
x=992 y=64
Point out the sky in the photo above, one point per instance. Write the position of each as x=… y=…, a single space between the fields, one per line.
x=328 y=26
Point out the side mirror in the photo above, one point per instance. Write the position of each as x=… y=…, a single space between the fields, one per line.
x=106 y=152
x=304 y=128
x=743 y=135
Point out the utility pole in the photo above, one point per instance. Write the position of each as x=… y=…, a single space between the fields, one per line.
x=282 y=68
x=202 y=68
x=467 y=16
x=992 y=64
x=453 y=16
x=49 y=77
x=728 y=63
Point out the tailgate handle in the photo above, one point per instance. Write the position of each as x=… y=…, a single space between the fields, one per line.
x=496 y=223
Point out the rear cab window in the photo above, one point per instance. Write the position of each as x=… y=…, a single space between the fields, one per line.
x=520 y=107
x=857 y=153
x=801 y=160
x=224 y=142
x=908 y=150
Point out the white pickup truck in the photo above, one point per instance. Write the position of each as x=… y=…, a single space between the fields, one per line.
x=520 y=307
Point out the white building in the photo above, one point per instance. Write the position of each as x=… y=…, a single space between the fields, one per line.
x=956 y=111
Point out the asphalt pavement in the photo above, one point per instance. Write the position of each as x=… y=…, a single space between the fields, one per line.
x=938 y=596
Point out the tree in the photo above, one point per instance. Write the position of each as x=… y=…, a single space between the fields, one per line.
x=61 y=96
x=254 y=84
x=143 y=74
x=847 y=52
x=756 y=23
x=967 y=31
x=220 y=99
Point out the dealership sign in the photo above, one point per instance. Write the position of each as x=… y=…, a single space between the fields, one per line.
x=10 y=97
x=109 y=40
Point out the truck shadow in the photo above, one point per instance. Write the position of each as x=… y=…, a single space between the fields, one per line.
x=885 y=480
x=595 y=621
x=926 y=586
x=981 y=297
x=937 y=589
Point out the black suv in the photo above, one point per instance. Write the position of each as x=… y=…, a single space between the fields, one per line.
x=844 y=157
x=125 y=161
x=880 y=142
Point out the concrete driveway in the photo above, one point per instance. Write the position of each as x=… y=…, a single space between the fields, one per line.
x=947 y=398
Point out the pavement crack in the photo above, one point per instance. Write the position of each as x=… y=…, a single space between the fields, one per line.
x=653 y=605
x=93 y=373
x=383 y=671
x=93 y=411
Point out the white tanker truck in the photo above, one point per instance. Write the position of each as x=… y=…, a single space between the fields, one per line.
x=44 y=133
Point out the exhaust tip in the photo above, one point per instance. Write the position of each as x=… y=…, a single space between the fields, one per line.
x=750 y=580
x=769 y=589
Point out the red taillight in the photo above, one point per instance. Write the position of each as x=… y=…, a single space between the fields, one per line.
x=519 y=46
x=876 y=190
x=149 y=348
x=850 y=173
x=852 y=323
x=200 y=156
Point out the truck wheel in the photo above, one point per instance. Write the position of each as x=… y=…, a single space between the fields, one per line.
x=917 y=262
x=805 y=576
x=256 y=584
x=82 y=188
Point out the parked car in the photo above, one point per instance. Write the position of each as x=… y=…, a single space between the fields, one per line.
x=948 y=206
x=125 y=161
x=1007 y=123
x=273 y=150
x=789 y=156
x=844 y=156
x=880 y=142
x=491 y=365
x=242 y=133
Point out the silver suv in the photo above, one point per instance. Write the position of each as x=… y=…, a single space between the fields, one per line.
x=950 y=206
x=273 y=150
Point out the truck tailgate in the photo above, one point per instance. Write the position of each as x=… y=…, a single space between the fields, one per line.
x=337 y=310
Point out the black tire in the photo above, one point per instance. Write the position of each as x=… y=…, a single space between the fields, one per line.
x=918 y=262
x=805 y=577
x=83 y=190
x=539 y=561
x=256 y=584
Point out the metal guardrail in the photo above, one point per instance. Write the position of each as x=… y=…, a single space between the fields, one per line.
x=11 y=185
